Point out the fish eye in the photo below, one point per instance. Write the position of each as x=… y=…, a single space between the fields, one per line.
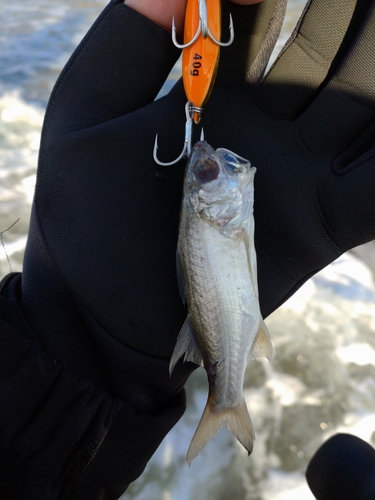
x=206 y=171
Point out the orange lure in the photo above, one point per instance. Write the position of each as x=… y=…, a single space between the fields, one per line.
x=200 y=60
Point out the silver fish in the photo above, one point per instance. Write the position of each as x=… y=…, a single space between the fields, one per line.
x=216 y=268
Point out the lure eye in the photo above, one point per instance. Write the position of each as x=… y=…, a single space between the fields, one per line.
x=206 y=171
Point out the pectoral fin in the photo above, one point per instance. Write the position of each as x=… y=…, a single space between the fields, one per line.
x=186 y=344
x=262 y=346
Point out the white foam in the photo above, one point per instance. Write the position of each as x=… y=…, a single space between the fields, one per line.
x=360 y=354
x=278 y=483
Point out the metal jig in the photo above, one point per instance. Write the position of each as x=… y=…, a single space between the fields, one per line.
x=200 y=57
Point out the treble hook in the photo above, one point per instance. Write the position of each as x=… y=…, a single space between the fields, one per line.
x=204 y=29
x=190 y=109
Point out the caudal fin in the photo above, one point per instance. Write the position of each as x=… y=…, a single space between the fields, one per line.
x=236 y=418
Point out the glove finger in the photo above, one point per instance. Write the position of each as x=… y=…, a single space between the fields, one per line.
x=307 y=57
x=339 y=122
x=256 y=29
x=347 y=203
x=106 y=77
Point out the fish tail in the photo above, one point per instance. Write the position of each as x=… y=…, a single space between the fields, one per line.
x=236 y=418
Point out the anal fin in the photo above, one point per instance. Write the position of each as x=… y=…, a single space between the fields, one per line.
x=262 y=346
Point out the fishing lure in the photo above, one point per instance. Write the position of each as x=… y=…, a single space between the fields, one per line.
x=200 y=58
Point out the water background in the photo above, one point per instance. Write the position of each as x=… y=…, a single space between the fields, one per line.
x=322 y=378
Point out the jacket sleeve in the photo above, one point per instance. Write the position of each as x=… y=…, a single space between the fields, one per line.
x=61 y=436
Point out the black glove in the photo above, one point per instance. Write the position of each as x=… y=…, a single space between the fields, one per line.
x=343 y=468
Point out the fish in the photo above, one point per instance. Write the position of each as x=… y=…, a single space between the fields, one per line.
x=217 y=277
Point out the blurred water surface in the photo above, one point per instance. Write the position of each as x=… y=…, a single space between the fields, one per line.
x=36 y=39
x=322 y=378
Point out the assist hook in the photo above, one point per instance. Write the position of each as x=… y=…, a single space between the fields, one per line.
x=190 y=109
x=203 y=29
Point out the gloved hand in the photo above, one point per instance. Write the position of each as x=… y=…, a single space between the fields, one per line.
x=108 y=225
x=104 y=227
